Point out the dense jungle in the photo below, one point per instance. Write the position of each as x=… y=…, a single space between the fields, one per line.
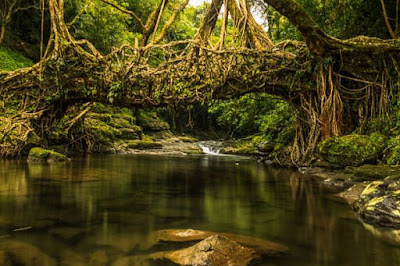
x=188 y=132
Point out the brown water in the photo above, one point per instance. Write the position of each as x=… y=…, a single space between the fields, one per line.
x=101 y=209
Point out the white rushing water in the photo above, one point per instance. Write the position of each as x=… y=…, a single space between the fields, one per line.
x=210 y=147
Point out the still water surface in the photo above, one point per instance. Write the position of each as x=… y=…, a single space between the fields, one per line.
x=105 y=207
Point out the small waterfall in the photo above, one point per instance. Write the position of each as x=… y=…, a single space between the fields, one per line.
x=210 y=147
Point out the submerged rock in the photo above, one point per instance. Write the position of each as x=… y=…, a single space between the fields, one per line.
x=263 y=247
x=214 y=250
x=42 y=155
x=19 y=253
x=379 y=203
x=351 y=194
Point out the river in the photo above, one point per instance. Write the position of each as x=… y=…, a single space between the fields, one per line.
x=99 y=209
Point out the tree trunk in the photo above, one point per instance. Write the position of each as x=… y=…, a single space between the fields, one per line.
x=2 y=33
x=151 y=22
x=256 y=36
x=317 y=40
x=208 y=22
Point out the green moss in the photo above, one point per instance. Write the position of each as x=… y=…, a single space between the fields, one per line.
x=150 y=121
x=392 y=153
x=100 y=116
x=164 y=134
x=102 y=109
x=245 y=146
x=11 y=60
x=352 y=149
x=189 y=139
x=373 y=172
x=103 y=132
x=42 y=155
x=144 y=145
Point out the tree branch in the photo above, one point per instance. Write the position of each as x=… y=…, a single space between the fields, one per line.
x=385 y=16
x=152 y=21
x=170 y=21
x=123 y=10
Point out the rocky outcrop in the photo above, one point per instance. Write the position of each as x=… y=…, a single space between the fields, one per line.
x=214 y=250
x=379 y=203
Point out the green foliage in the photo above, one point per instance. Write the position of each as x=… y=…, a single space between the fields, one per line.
x=352 y=149
x=102 y=25
x=343 y=19
x=278 y=125
x=12 y=60
x=242 y=116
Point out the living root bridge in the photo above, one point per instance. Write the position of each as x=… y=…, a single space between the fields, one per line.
x=334 y=85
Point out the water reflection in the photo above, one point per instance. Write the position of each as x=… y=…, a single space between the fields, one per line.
x=109 y=206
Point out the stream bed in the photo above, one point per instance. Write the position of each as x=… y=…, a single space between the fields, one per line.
x=97 y=210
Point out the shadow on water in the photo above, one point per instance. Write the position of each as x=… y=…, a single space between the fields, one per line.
x=102 y=209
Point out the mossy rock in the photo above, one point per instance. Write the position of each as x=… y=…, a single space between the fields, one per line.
x=120 y=123
x=102 y=109
x=126 y=116
x=151 y=122
x=188 y=139
x=352 y=150
x=244 y=146
x=240 y=150
x=144 y=145
x=392 y=153
x=103 y=132
x=160 y=135
x=369 y=172
x=101 y=117
x=42 y=155
x=130 y=133
x=379 y=203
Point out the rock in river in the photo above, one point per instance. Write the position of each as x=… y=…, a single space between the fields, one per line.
x=214 y=250
x=19 y=253
x=379 y=203
x=42 y=155
x=261 y=246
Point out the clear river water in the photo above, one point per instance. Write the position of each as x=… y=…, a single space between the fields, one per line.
x=96 y=210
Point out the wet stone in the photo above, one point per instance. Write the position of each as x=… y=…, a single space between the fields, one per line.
x=379 y=203
x=20 y=253
x=214 y=250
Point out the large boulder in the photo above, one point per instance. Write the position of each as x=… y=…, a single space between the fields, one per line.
x=214 y=250
x=379 y=203
x=352 y=150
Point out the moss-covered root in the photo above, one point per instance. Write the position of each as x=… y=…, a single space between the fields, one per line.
x=42 y=155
